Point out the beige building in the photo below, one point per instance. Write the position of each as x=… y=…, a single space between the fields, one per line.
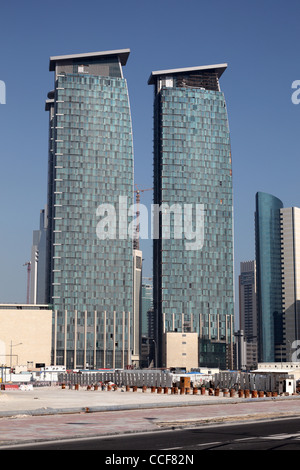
x=180 y=350
x=290 y=266
x=25 y=335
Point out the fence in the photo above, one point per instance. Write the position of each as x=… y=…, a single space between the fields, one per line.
x=120 y=378
x=250 y=381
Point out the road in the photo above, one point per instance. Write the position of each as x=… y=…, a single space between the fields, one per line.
x=275 y=434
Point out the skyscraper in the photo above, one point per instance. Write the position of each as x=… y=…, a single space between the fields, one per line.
x=268 y=266
x=290 y=265
x=248 y=309
x=90 y=176
x=147 y=303
x=193 y=246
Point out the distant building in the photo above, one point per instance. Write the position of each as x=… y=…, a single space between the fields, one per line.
x=248 y=310
x=268 y=266
x=147 y=305
x=290 y=263
x=278 y=279
x=193 y=263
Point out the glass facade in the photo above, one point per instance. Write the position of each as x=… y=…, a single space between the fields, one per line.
x=268 y=265
x=90 y=280
x=193 y=284
x=147 y=303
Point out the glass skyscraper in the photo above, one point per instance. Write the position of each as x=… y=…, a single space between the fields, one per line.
x=269 y=283
x=193 y=262
x=90 y=272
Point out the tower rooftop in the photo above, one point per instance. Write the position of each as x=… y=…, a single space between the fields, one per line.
x=121 y=53
x=217 y=68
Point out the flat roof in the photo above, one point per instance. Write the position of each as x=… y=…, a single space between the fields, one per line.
x=121 y=53
x=18 y=306
x=218 y=68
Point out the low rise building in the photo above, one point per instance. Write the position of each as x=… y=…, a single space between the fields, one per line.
x=25 y=335
x=180 y=350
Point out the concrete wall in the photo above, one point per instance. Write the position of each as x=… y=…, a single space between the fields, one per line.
x=25 y=335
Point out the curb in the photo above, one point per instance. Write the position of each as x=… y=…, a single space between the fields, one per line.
x=99 y=409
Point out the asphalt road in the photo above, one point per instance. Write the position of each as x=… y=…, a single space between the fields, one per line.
x=275 y=434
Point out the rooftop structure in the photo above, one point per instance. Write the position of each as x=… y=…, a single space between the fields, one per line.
x=122 y=54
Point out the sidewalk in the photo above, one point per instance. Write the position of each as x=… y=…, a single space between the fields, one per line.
x=54 y=413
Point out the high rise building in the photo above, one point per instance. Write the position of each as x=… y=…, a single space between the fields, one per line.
x=193 y=240
x=268 y=268
x=290 y=265
x=90 y=183
x=248 y=310
x=278 y=279
x=147 y=304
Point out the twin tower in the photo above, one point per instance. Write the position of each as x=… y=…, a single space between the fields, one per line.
x=89 y=277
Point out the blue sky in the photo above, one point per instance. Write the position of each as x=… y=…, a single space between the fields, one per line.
x=258 y=39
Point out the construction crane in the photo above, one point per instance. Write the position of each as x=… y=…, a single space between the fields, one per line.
x=28 y=264
x=138 y=192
